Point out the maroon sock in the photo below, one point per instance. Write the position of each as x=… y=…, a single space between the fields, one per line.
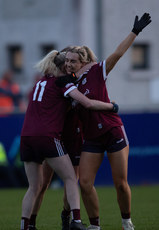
x=125 y=215
x=65 y=212
x=24 y=223
x=76 y=214
x=32 y=220
x=94 y=221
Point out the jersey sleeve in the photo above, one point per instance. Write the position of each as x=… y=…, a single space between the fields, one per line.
x=103 y=65
x=68 y=88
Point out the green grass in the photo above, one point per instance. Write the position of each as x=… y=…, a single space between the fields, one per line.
x=145 y=209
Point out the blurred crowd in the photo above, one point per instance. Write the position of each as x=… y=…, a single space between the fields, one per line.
x=12 y=100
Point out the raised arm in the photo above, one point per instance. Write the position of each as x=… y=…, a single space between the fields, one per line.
x=121 y=49
x=92 y=104
x=139 y=25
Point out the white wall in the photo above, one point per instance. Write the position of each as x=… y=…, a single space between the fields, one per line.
x=31 y=23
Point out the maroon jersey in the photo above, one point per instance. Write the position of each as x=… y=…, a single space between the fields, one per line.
x=47 y=109
x=93 y=84
x=72 y=126
x=72 y=136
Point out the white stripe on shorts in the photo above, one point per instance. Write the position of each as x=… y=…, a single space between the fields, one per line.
x=125 y=136
x=59 y=147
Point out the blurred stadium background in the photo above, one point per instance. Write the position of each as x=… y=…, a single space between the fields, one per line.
x=31 y=28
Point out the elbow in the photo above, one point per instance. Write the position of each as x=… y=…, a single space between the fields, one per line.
x=89 y=105
x=119 y=54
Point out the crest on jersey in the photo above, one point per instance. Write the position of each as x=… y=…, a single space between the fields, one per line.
x=86 y=92
x=84 y=81
x=100 y=126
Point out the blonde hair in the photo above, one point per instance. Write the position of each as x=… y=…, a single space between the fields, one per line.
x=52 y=63
x=67 y=48
x=86 y=55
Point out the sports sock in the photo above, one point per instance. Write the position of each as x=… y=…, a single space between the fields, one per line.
x=24 y=223
x=32 y=220
x=76 y=215
x=65 y=212
x=125 y=215
x=95 y=221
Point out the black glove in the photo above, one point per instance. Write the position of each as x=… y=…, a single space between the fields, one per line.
x=139 y=25
x=64 y=80
x=115 y=107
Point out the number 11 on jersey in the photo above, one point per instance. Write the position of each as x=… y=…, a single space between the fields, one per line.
x=38 y=96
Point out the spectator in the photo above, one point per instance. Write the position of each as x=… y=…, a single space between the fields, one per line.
x=10 y=95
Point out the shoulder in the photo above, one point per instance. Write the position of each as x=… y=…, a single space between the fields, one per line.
x=97 y=67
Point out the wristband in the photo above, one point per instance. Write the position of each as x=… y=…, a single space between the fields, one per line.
x=115 y=107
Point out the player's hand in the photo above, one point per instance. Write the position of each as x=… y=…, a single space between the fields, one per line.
x=64 y=80
x=115 y=107
x=139 y=25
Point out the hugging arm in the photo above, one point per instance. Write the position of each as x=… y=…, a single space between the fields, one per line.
x=65 y=79
x=92 y=104
x=85 y=68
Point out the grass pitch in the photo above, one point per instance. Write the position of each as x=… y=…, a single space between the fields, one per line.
x=145 y=209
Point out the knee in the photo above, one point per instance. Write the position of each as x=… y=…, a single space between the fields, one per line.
x=121 y=186
x=36 y=188
x=86 y=185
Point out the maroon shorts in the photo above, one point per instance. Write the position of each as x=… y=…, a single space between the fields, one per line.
x=74 y=148
x=72 y=137
x=112 y=141
x=36 y=149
